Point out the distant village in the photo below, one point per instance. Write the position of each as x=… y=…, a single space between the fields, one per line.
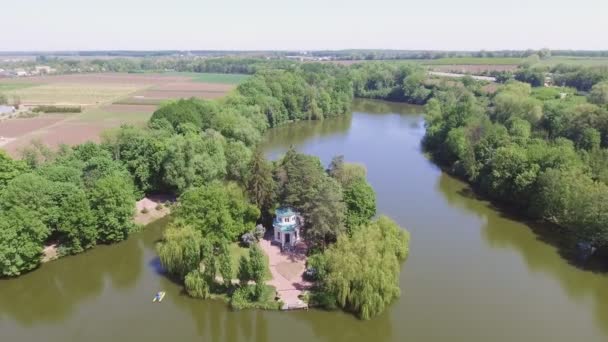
x=24 y=72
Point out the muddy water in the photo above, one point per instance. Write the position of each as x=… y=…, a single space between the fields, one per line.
x=474 y=274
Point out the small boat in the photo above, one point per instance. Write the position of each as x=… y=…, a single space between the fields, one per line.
x=159 y=296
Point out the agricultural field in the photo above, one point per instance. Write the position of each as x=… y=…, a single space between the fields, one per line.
x=474 y=61
x=584 y=61
x=212 y=77
x=108 y=100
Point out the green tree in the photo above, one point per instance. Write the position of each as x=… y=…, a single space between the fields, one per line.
x=244 y=272
x=197 y=285
x=9 y=169
x=363 y=271
x=325 y=215
x=113 y=204
x=260 y=184
x=346 y=173
x=180 y=251
x=22 y=235
x=225 y=263
x=237 y=161
x=257 y=268
x=220 y=212
x=599 y=93
x=360 y=200
x=74 y=223
x=193 y=160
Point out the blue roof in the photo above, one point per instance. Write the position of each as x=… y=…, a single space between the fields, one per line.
x=283 y=226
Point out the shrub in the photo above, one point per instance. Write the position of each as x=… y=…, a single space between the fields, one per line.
x=159 y=206
x=244 y=297
x=145 y=210
x=248 y=239
x=259 y=231
x=57 y=109
x=196 y=285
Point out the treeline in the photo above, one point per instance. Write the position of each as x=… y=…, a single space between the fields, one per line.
x=366 y=54
x=582 y=78
x=227 y=65
x=403 y=82
x=57 y=109
x=542 y=151
x=74 y=198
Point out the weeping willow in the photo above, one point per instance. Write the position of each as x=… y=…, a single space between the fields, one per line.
x=180 y=250
x=196 y=285
x=363 y=271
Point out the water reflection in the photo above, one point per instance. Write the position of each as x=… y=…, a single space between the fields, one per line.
x=503 y=231
x=52 y=292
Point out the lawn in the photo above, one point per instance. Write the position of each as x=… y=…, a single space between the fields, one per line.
x=212 y=77
x=236 y=252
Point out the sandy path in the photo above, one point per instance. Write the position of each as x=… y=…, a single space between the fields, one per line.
x=287 y=272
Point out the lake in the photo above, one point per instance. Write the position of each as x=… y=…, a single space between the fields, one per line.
x=474 y=273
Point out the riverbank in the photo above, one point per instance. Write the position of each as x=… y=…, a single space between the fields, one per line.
x=147 y=210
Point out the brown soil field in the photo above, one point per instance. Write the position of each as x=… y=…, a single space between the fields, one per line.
x=65 y=132
x=104 y=78
x=109 y=99
x=13 y=128
x=127 y=108
x=177 y=90
x=472 y=69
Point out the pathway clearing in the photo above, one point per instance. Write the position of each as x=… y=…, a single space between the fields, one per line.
x=287 y=270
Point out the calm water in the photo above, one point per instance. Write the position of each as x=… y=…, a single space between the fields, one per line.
x=473 y=273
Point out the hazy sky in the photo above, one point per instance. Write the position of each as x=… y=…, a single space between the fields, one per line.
x=303 y=24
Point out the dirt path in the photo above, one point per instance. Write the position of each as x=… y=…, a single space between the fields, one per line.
x=148 y=209
x=287 y=270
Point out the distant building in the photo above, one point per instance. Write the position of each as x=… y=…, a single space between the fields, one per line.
x=287 y=226
x=4 y=110
x=43 y=69
x=20 y=73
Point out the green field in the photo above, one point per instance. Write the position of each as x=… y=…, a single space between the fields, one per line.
x=212 y=77
x=584 y=61
x=9 y=86
x=113 y=118
x=474 y=61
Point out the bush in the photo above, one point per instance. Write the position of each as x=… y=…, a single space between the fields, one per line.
x=56 y=109
x=145 y=210
x=196 y=285
x=244 y=297
x=159 y=206
x=259 y=231
x=248 y=239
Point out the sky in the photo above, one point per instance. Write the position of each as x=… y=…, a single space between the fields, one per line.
x=28 y=25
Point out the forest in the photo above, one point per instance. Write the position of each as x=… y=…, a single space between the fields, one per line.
x=542 y=151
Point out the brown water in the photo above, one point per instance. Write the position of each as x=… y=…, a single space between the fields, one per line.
x=473 y=273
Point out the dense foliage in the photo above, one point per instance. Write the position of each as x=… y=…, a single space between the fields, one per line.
x=76 y=198
x=361 y=273
x=545 y=155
